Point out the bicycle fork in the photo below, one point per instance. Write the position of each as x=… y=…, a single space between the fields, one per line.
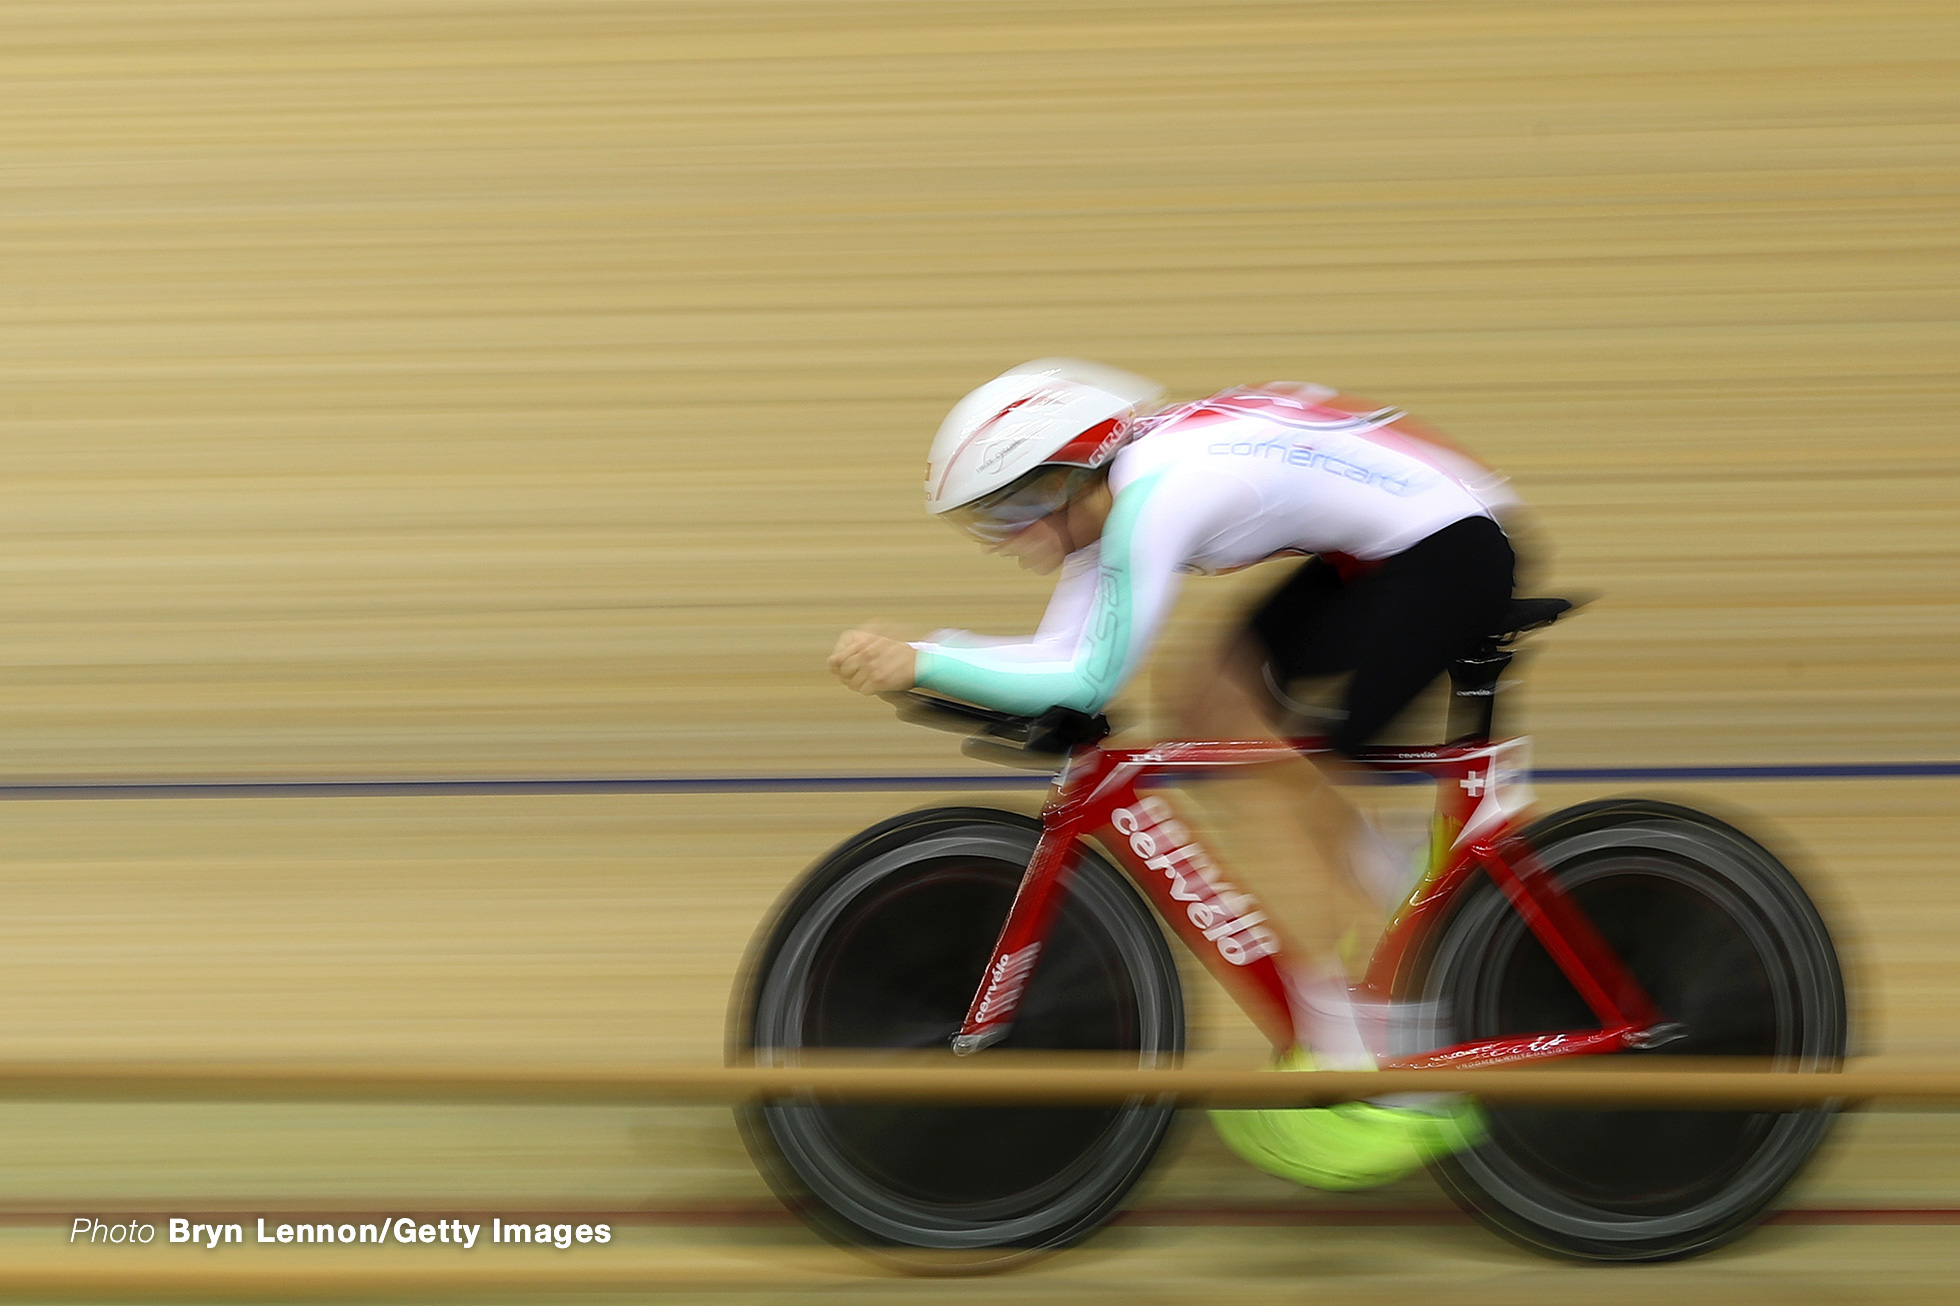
x=1029 y=920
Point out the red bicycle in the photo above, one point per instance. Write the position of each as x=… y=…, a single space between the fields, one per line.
x=1623 y=926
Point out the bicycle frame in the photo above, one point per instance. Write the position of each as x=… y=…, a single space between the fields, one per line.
x=1482 y=790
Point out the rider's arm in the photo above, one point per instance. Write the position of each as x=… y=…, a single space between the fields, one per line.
x=1061 y=624
x=1153 y=526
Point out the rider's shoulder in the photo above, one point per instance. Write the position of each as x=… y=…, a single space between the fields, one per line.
x=1272 y=400
x=1144 y=455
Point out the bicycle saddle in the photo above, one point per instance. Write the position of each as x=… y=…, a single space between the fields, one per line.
x=1531 y=614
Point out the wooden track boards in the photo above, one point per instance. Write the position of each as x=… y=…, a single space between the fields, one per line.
x=510 y=387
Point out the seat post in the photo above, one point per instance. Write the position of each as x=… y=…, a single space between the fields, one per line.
x=1473 y=693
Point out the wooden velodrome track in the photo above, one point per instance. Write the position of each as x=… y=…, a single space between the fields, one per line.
x=447 y=389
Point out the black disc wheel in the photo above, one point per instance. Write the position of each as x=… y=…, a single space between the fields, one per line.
x=1729 y=947
x=882 y=945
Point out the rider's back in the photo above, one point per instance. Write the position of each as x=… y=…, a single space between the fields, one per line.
x=1287 y=469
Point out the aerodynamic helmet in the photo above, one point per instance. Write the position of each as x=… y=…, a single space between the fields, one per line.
x=1025 y=443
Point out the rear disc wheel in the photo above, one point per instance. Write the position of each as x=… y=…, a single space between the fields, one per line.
x=1729 y=947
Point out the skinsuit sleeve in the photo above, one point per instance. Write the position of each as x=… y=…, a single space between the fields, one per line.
x=1154 y=528
x=1061 y=625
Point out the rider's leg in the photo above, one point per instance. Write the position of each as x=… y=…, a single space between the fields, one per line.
x=1289 y=834
x=1427 y=606
x=1397 y=629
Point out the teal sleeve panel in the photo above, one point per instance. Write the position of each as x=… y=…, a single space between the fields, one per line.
x=1108 y=650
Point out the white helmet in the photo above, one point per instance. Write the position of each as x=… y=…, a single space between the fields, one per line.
x=1024 y=444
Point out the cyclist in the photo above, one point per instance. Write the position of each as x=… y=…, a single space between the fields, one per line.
x=1072 y=467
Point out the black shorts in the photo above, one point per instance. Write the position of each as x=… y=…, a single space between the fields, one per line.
x=1396 y=628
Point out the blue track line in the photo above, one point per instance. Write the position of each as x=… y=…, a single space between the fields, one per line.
x=754 y=784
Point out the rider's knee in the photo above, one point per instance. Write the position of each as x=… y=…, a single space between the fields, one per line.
x=1218 y=707
x=1192 y=711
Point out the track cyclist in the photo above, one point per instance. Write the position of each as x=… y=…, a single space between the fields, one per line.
x=1078 y=469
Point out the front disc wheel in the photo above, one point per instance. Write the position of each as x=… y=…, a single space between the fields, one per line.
x=883 y=947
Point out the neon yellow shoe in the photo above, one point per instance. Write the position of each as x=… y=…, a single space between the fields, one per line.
x=1350 y=1145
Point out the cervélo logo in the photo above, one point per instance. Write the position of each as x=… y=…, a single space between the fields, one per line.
x=1004 y=984
x=1229 y=919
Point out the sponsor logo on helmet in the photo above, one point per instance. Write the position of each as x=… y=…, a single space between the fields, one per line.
x=998 y=451
x=1117 y=431
x=1016 y=424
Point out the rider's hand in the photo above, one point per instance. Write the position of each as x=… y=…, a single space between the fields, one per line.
x=871 y=663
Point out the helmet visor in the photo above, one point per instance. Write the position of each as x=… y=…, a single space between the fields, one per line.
x=993 y=518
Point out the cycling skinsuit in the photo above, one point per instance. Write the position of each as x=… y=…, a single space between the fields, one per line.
x=1397 y=589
